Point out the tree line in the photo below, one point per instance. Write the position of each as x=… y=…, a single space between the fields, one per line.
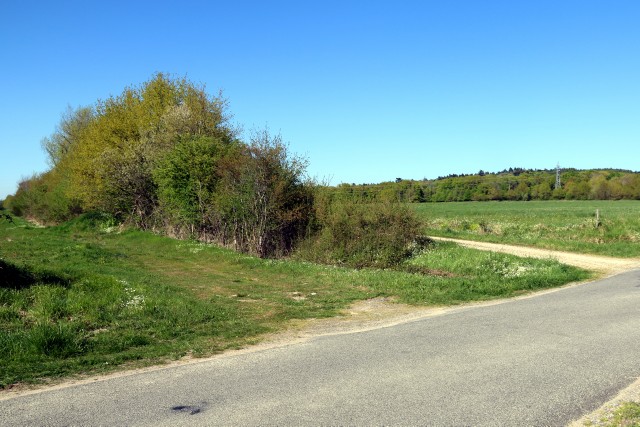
x=509 y=184
x=164 y=156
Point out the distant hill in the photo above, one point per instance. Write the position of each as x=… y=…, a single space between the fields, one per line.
x=508 y=184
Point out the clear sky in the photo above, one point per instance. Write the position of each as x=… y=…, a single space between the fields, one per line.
x=368 y=91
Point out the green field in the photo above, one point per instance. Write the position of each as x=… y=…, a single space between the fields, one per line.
x=87 y=297
x=562 y=225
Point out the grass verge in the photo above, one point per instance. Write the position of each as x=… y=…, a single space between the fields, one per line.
x=627 y=414
x=85 y=298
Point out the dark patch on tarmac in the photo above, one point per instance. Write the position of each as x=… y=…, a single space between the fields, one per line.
x=189 y=409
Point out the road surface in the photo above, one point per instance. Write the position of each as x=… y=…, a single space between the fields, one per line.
x=543 y=360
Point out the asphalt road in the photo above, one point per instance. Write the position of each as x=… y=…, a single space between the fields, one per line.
x=542 y=361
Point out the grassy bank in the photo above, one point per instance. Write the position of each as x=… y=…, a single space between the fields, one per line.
x=85 y=297
x=562 y=225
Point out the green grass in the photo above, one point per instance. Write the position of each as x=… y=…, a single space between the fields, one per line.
x=627 y=414
x=84 y=298
x=561 y=225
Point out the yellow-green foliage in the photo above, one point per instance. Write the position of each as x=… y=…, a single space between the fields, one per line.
x=112 y=162
x=162 y=156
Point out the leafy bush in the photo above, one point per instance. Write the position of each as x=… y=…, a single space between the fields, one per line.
x=187 y=178
x=163 y=156
x=248 y=196
x=265 y=202
x=44 y=196
x=362 y=234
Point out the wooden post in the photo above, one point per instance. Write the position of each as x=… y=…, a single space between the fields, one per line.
x=597 y=218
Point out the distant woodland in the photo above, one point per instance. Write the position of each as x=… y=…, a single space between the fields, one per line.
x=509 y=184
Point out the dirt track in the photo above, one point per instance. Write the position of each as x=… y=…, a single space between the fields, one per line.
x=601 y=264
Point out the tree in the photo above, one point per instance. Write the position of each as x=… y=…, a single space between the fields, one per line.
x=68 y=132
x=522 y=191
x=112 y=164
x=418 y=194
x=630 y=186
x=264 y=199
x=600 y=188
x=577 y=189
x=187 y=179
x=541 y=191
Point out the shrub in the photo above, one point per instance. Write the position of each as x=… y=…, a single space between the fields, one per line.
x=187 y=178
x=44 y=197
x=264 y=201
x=361 y=234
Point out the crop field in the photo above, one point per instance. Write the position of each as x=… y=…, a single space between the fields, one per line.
x=88 y=297
x=561 y=225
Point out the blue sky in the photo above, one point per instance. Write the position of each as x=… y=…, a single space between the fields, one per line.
x=368 y=91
